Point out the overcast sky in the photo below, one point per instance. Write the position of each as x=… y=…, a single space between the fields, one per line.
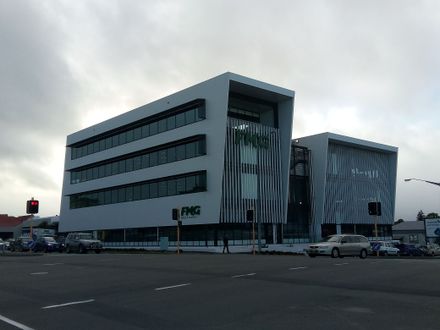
x=366 y=69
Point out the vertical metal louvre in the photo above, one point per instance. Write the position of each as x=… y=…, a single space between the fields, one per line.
x=252 y=173
x=354 y=178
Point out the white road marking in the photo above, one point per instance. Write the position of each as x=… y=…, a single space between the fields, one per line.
x=15 y=324
x=296 y=268
x=69 y=303
x=243 y=275
x=342 y=264
x=40 y=273
x=172 y=286
x=58 y=263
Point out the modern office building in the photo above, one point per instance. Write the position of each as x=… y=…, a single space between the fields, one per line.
x=214 y=151
x=347 y=174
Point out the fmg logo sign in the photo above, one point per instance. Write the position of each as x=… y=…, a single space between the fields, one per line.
x=187 y=212
x=254 y=139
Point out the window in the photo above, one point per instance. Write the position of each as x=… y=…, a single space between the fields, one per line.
x=191 y=148
x=137 y=191
x=137 y=133
x=123 y=138
x=171 y=122
x=162 y=125
x=153 y=128
x=122 y=167
x=180 y=152
x=129 y=164
x=163 y=189
x=180 y=119
x=145 y=130
x=153 y=159
x=168 y=121
x=171 y=187
x=171 y=154
x=145 y=191
x=162 y=156
x=130 y=136
x=137 y=163
x=153 y=190
x=180 y=186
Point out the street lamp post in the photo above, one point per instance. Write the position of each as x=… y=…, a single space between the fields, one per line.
x=431 y=182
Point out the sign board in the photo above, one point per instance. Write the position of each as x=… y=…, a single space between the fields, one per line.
x=188 y=212
x=432 y=227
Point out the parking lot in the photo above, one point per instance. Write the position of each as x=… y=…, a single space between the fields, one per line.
x=211 y=291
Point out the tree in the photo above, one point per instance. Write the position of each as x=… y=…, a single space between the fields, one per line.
x=432 y=215
x=398 y=221
x=420 y=216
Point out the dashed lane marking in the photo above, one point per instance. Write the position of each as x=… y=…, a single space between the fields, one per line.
x=172 y=286
x=298 y=268
x=243 y=275
x=40 y=273
x=341 y=264
x=69 y=303
x=14 y=323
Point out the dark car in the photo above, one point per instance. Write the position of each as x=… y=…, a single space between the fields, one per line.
x=21 y=244
x=409 y=250
x=46 y=244
x=62 y=242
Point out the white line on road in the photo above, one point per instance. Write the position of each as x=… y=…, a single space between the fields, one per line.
x=69 y=303
x=172 y=286
x=297 y=268
x=243 y=275
x=40 y=273
x=342 y=264
x=57 y=263
x=15 y=324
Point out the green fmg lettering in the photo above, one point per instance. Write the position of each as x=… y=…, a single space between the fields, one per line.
x=190 y=211
x=254 y=139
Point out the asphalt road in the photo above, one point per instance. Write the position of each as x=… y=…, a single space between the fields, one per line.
x=205 y=291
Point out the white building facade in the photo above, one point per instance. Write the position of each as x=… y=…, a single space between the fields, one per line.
x=214 y=151
x=347 y=174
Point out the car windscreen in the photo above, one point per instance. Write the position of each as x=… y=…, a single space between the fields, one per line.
x=85 y=236
x=50 y=239
x=331 y=239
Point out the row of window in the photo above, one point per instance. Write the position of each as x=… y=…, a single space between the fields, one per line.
x=147 y=159
x=184 y=184
x=154 y=127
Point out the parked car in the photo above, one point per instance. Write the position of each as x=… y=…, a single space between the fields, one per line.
x=385 y=248
x=82 y=242
x=2 y=245
x=340 y=246
x=409 y=250
x=430 y=249
x=21 y=244
x=46 y=244
x=62 y=242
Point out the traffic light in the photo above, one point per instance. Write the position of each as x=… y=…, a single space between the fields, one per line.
x=175 y=214
x=32 y=206
x=250 y=215
x=374 y=208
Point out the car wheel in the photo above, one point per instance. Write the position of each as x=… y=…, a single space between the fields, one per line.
x=335 y=253
x=363 y=254
x=385 y=253
x=68 y=249
x=97 y=251
x=81 y=249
